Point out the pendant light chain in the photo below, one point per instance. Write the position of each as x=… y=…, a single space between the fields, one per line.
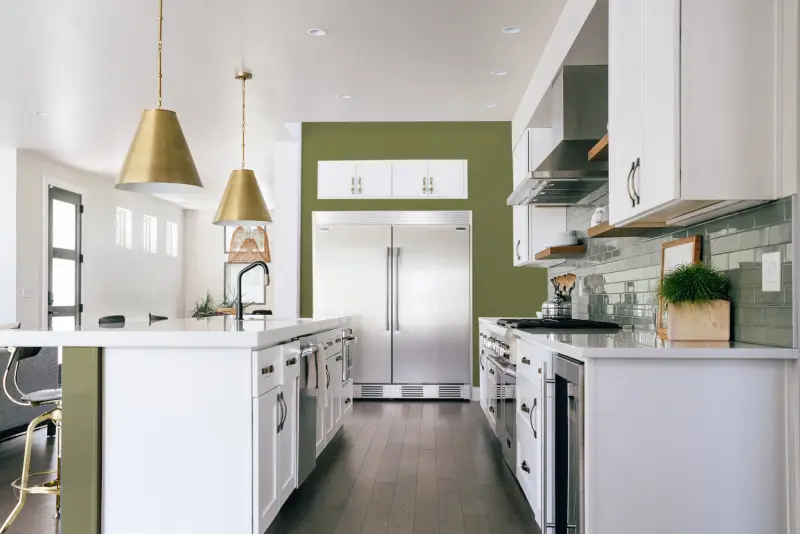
x=244 y=80
x=160 y=29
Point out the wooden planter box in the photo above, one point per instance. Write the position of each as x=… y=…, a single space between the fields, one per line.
x=709 y=321
x=226 y=311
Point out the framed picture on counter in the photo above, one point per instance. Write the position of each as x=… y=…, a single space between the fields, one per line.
x=254 y=283
x=674 y=254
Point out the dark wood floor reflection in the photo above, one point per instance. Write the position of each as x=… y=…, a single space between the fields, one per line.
x=394 y=468
x=37 y=515
x=410 y=468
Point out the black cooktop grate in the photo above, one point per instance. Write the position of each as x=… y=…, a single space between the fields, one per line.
x=532 y=324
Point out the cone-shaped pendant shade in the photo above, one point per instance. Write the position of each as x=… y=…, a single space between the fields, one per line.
x=242 y=203
x=159 y=160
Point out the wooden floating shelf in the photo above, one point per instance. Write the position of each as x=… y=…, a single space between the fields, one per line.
x=557 y=253
x=631 y=230
x=600 y=150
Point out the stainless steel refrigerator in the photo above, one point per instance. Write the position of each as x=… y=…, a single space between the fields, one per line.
x=405 y=279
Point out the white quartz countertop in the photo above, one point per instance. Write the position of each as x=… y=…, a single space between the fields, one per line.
x=641 y=344
x=220 y=331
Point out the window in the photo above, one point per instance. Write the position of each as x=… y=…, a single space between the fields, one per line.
x=150 y=234
x=124 y=220
x=171 y=243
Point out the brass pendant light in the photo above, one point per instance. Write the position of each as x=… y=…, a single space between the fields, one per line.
x=242 y=203
x=159 y=160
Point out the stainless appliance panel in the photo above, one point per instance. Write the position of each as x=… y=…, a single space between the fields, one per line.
x=569 y=453
x=431 y=321
x=351 y=277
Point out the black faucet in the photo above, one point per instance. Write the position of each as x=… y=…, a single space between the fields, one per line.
x=239 y=305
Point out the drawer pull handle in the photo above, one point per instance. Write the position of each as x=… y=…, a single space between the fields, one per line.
x=268 y=370
x=291 y=361
x=535 y=432
x=526 y=361
x=338 y=358
x=491 y=371
x=525 y=408
x=347 y=401
x=491 y=409
x=525 y=467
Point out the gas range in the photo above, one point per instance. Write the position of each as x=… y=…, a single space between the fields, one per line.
x=539 y=325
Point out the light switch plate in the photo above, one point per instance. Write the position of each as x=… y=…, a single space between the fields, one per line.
x=771 y=271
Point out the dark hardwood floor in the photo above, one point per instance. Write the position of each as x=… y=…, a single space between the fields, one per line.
x=410 y=468
x=394 y=468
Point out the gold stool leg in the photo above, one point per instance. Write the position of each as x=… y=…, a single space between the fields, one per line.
x=26 y=469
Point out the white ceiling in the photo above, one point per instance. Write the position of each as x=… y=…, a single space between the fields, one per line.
x=91 y=65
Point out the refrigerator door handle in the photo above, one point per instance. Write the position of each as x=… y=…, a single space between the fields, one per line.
x=396 y=275
x=388 y=284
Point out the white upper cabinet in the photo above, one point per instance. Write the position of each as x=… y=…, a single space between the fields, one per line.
x=392 y=179
x=409 y=179
x=694 y=89
x=336 y=179
x=521 y=235
x=521 y=159
x=447 y=178
x=373 y=179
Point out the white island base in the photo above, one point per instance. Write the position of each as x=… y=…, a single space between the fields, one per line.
x=190 y=426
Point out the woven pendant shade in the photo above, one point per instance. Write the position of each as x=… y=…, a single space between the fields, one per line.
x=248 y=245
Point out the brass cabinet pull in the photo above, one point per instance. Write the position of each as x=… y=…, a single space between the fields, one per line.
x=525 y=408
x=359 y=185
x=291 y=361
x=268 y=370
x=424 y=185
x=430 y=184
x=526 y=361
x=352 y=185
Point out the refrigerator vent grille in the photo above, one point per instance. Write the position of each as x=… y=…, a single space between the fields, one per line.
x=412 y=392
x=371 y=392
x=450 y=392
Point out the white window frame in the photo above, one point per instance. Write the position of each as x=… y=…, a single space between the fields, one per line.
x=124 y=223
x=150 y=234
x=171 y=239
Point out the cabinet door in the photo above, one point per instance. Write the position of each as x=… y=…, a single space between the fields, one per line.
x=266 y=499
x=338 y=397
x=521 y=159
x=374 y=179
x=656 y=179
x=409 y=179
x=484 y=394
x=624 y=103
x=288 y=436
x=447 y=178
x=331 y=392
x=521 y=236
x=336 y=179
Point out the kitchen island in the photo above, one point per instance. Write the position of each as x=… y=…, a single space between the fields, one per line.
x=652 y=436
x=191 y=425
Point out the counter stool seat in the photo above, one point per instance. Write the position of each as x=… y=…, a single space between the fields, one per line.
x=43 y=396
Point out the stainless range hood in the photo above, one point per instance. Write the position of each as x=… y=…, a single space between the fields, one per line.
x=578 y=119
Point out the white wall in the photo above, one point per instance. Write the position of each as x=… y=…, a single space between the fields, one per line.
x=115 y=280
x=8 y=235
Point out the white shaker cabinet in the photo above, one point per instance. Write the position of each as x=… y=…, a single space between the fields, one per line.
x=266 y=496
x=521 y=235
x=693 y=120
x=409 y=179
x=289 y=429
x=354 y=179
x=446 y=178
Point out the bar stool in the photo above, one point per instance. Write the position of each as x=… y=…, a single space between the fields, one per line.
x=34 y=398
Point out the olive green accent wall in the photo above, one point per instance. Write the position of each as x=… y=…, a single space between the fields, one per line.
x=81 y=446
x=498 y=288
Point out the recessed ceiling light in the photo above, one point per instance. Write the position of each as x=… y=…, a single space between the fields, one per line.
x=42 y=114
x=511 y=29
x=344 y=97
x=489 y=106
x=317 y=32
x=498 y=72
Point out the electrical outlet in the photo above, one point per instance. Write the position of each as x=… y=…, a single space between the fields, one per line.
x=771 y=271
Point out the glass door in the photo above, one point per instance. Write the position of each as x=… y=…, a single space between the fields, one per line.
x=64 y=306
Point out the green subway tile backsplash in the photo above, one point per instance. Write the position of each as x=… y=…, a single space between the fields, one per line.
x=620 y=275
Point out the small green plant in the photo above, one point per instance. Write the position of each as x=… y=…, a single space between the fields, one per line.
x=695 y=283
x=231 y=299
x=204 y=307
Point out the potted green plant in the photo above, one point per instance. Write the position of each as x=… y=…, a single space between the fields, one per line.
x=696 y=297
x=228 y=304
x=204 y=307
